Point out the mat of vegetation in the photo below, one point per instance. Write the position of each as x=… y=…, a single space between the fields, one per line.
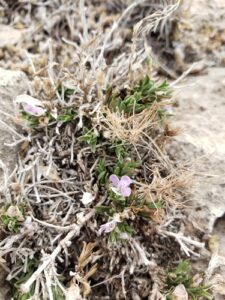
x=94 y=207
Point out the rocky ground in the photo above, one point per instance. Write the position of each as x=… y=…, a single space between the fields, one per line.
x=201 y=145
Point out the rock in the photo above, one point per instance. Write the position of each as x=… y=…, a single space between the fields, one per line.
x=12 y=83
x=180 y=293
x=201 y=114
x=9 y=35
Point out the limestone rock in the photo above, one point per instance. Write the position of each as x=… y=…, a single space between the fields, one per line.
x=201 y=114
x=9 y=35
x=12 y=83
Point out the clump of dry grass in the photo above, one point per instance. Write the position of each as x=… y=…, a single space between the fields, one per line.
x=69 y=153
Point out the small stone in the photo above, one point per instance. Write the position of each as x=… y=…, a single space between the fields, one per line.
x=9 y=35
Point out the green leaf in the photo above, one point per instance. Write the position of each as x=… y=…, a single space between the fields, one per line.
x=126 y=167
x=67 y=116
x=142 y=96
x=120 y=152
x=65 y=91
x=32 y=120
x=105 y=209
x=102 y=173
x=122 y=227
x=10 y=223
x=182 y=275
x=90 y=138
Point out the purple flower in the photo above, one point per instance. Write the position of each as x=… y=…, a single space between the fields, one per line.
x=121 y=186
x=33 y=110
x=31 y=105
x=107 y=227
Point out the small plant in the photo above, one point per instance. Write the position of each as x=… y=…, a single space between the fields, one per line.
x=142 y=96
x=124 y=167
x=67 y=116
x=65 y=92
x=182 y=275
x=23 y=277
x=12 y=217
x=90 y=137
x=121 y=198
x=10 y=223
x=120 y=152
x=122 y=231
x=33 y=121
x=102 y=174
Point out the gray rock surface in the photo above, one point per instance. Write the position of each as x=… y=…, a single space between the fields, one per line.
x=12 y=83
x=201 y=115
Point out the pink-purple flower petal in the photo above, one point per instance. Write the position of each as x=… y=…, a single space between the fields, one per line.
x=121 y=186
x=31 y=105
x=114 y=180
x=125 y=191
x=33 y=110
x=107 y=227
x=125 y=180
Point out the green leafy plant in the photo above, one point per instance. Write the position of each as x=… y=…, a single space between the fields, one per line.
x=32 y=120
x=117 y=204
x=90 y=138
x=67 y=116
x=142 y=96
x=126 y=167
x=182 y=275
x=120 y=228
x=10 y=223
x=104 y=209
x=102 y=174
x=120 y=152
x=66 y=92
x=23 y=277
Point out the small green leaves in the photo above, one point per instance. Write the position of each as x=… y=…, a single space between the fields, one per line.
x=124 y=167
x=142 y=96
x=103 y=209
x=67 y=116
x=65 y=92
x=102 y=174
x=120 y=152
x=12 y=217
x=122 y=229
x=32 y=120
x=179 y=275
x=90 y=137
x=10 y=223
x=182 y=275
x=23 y=277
